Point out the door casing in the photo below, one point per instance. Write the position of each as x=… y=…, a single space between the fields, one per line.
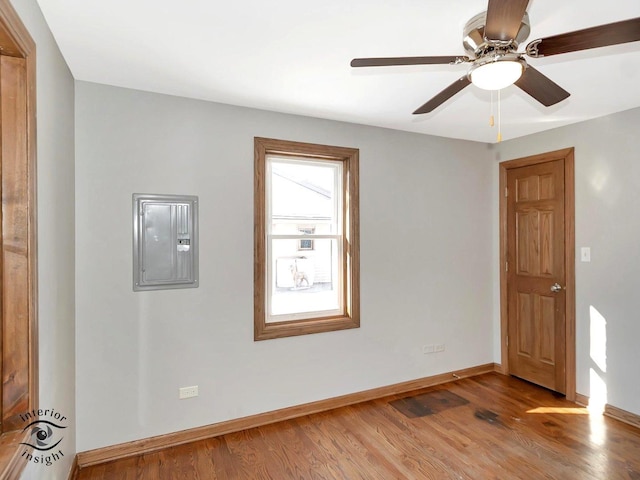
x=567 y=155
x=18 y=352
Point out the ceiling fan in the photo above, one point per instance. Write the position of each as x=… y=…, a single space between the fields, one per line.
x=491 y=40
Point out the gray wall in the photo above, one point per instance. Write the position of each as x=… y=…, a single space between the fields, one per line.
x=429 y=224
x=607 y=185
x=426 y=277
x=56 y=220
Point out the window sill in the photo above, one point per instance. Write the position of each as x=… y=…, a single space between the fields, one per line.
x=304 y=327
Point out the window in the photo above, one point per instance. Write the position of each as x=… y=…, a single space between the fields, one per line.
x=306 y=239
x=306 y=243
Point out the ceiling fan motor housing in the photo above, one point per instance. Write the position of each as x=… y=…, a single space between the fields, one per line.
x=478 y=46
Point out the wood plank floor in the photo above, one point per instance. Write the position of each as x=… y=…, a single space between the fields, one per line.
x=486 y=427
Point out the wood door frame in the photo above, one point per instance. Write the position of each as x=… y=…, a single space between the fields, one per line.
x=16 y=41
x=567 y=155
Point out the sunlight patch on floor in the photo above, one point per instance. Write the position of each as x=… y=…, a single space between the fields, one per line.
x=561 y=410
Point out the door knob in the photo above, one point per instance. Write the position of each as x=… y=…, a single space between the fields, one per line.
x=556 y=287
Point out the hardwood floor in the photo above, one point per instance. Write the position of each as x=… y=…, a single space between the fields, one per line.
x=486 y=427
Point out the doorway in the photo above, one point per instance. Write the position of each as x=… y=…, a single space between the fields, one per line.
x=537 y=270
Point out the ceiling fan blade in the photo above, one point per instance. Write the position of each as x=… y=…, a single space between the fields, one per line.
x=386 y=62
x=610 y=34
x=541 y=87
x=504 y=18
x=443 y=96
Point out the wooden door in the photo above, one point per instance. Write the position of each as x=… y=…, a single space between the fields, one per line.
x=536 y=276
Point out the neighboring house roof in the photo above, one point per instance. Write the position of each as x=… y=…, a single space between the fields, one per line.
x=313 y=202
x=303 y=183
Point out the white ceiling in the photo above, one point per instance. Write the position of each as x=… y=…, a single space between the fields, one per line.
x=293 y=56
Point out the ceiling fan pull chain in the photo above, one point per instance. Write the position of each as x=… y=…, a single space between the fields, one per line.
x=491 y=117
x=499 y=120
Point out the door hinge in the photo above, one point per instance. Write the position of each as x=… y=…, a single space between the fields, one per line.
x=506 y=266
x=507 y=340
x=506 y=191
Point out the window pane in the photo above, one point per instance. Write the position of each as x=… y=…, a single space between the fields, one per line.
x=305 y=282
x=304 y=191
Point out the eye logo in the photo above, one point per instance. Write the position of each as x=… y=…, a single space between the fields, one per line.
x=42 y=437
x=42 y=433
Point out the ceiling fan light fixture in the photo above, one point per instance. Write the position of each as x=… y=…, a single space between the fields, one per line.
x=496 y=74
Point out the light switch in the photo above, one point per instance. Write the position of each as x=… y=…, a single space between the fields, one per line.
x=585 y=254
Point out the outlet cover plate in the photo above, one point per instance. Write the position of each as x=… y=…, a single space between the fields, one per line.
x=427 y=349
x=188 y=392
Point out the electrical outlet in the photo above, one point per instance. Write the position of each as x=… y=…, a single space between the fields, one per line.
x=188 y=392
x=428 y=349
x=439 y=347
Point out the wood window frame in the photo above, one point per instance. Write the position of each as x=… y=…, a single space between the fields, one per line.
x=567 y=155
x=264 y=330
x=19 y=346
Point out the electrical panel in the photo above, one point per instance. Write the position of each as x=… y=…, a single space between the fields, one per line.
x=165 y=241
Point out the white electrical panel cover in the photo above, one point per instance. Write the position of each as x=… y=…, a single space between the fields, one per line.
x=165 y=241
